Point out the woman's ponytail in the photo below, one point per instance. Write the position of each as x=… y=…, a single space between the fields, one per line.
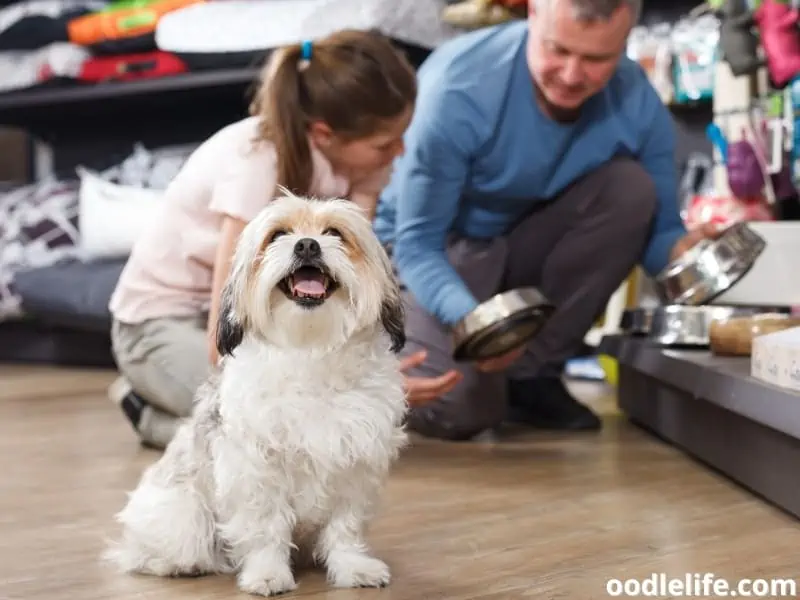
x=281 y=105
x=355 y=83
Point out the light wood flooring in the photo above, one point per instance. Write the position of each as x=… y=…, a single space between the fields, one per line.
x=533 y=516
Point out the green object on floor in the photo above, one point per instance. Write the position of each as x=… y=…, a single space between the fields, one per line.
x=610 y=367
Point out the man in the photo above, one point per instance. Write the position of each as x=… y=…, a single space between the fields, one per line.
x=539 y=154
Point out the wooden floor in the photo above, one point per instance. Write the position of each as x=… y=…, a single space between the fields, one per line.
x=532 y=516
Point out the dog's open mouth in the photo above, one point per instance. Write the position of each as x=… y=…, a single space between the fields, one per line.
x=308 y=285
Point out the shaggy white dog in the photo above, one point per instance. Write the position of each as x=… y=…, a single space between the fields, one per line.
x=290 y=443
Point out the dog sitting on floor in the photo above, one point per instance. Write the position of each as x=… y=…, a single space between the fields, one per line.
x=292 y=440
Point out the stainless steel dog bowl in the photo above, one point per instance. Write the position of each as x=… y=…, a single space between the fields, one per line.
x=710 y=268
x=637 y=321
x=690 y=326
x=503 y=322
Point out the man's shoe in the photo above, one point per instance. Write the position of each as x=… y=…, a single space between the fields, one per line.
x=545 y=403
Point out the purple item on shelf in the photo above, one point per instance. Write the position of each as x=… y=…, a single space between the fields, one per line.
x=745 y=177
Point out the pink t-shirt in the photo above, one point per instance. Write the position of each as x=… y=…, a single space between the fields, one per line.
x=170 y=270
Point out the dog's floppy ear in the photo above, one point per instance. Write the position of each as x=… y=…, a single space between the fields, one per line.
x=393 y=317
x=394 y=321
x=230 y=330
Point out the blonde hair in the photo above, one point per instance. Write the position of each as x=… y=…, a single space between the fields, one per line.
x=354 y=81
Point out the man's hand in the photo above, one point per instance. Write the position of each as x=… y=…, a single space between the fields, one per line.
x=502 y=362
x=705 y=231
x=421 y=390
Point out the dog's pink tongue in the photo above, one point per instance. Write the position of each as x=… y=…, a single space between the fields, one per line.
x=307 y=283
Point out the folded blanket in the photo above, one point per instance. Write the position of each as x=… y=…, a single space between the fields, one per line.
x=33 y=24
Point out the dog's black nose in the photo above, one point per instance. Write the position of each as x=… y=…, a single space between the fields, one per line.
x=307 y=248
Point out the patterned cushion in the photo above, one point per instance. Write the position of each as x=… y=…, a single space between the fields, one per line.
x=38 y=228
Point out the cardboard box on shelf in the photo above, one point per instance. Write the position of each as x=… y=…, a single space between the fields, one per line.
x=776 y=358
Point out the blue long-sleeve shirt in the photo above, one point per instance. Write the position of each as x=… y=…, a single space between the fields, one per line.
x=480 y=154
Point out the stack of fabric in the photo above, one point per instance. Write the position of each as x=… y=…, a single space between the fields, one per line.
x=93 y=41
x=35 y=44
x=46 y=42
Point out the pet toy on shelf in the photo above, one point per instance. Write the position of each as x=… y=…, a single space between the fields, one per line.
x=474 y=14
x=777 y=131
x=745 y=175
x=791 y=111
x=780 y=39
x=694 y=45
x=738 y=40
x=651 y=47
x=745 y=194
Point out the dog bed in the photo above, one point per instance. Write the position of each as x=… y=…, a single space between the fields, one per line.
x=34 y=24
x=124 y=27
x=239 y=32
x=83 y=292
x=34 y=342
x=130 y=67
x=56 y=279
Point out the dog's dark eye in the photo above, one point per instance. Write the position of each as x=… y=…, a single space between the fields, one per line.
x=278 y=234
x=333 y=231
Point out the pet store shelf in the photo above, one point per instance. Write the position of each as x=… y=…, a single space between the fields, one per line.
x=701 y=106
x=72 y=108
x=58 y=104
x=726 y=381
x=712 y=409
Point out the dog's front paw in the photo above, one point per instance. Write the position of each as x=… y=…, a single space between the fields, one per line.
x=278 y=581
x=352 y=570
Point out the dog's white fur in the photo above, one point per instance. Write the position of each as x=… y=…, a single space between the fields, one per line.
x=291 y=442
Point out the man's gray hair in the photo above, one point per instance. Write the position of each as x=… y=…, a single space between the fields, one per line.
x=591 y=10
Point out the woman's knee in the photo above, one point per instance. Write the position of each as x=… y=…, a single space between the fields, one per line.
x=161 y=386
x=165 y=363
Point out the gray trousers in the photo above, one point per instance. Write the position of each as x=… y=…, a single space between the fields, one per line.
x=577 y=249
x=164 y=361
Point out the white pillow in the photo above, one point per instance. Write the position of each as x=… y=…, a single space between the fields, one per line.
x=111 y=216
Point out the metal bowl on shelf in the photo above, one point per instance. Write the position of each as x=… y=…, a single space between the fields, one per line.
x=637 y=321
x=690 y=326
x=711 y=267
x=500 y=324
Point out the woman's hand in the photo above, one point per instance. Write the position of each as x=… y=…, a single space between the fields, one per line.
x=421 y=390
